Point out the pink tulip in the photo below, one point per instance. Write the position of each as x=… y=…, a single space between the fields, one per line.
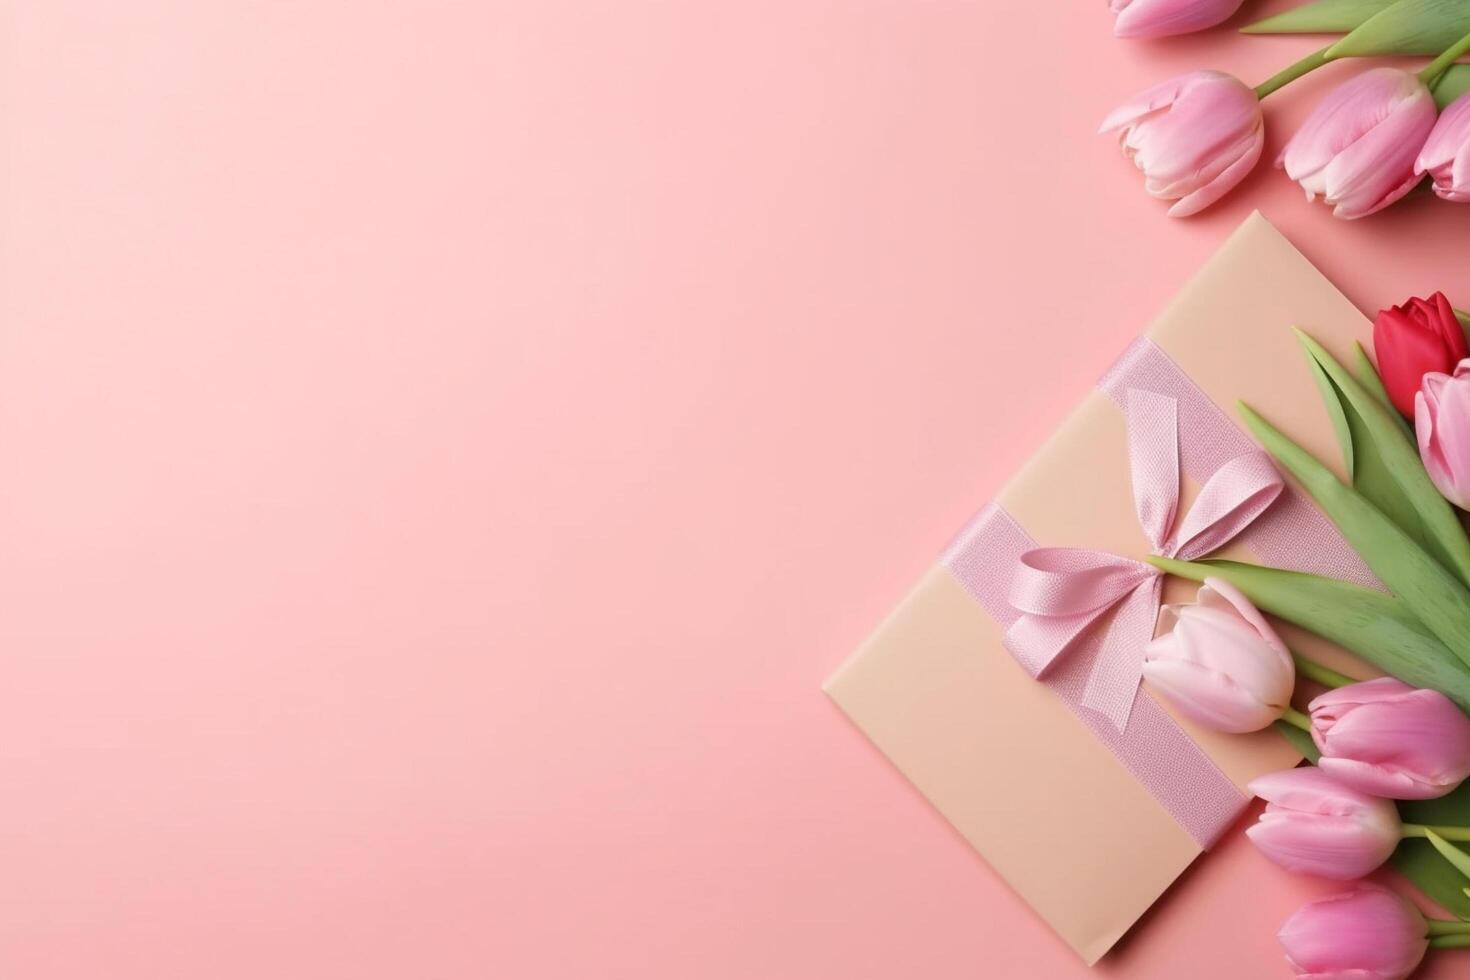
x=1161 y=18
x=1222 y=664
x=1194 y=137
x=1316 y=825
x=1357 y=148
x=1368 y=933
x=1386 y=738
x=1442 y=422
x=1446 y=155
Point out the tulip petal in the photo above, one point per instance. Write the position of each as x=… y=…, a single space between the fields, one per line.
x=1378 y=731
x=1311 y=790
x=1457 y=187
x=1406 y=746
x=1344 y=115
x=1448 y=460
x=1358 y=148
x=1450 y=332
x=1382 y=780
x=1351 y=211
x=1197 y=170
x=1406 y=352
x=1320 y=844
x=1193 y=137
x=1150 y=100
x=1223 y=183
x=1209 y=697
x=1168 y=616
x=1164 y=18
x=1204 y=634
x=1450 y=134
x=1221 y=641
x=1368 y=933
x=1377 y=168
x=1426 y=410
x=1363 y=692
x=1216 y=593
x=1209 y=126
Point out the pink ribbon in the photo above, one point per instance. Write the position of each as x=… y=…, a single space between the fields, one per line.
x=1061 y=592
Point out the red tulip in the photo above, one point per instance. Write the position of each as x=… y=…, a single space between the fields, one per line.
x=1415 y=339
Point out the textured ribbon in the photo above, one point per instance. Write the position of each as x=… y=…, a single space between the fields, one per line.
x=1061 y=593
x=985 y=557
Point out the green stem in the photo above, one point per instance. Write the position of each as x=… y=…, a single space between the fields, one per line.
x=1314 y=671
x=1291 y=73
x=1450 y=942
x=1448 y=833
x=1445 y=927
x=1430 y=75
x=1294 y=717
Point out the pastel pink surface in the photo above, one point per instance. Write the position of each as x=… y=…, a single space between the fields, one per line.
x=446 y=446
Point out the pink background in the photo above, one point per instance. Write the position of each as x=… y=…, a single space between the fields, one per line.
x=446 y=444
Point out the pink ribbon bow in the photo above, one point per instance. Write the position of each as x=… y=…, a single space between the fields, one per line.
x=1061 y=592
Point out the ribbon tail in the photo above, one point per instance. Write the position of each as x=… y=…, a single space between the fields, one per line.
x=1038 y=641
x=1113 y=683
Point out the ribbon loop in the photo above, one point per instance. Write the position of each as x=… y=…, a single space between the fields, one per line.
x=1062 y=592
x=1153 y=457
x=1071 y=581
x=1237 y=493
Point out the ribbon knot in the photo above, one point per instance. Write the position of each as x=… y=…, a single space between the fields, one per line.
x=1062 y=592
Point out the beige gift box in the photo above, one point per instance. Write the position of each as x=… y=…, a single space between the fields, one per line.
x=1003 y=757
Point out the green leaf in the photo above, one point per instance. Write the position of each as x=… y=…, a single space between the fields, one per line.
x=1452 y=84
x=1367 y=374
x=1300 y=740
x=1337 y=412
x=1450 y=852
x=1322 y=17
x=1388 y=471
x=1417 y=858
x=1375 y=625
x=1423 y=27
x=1367 y=471
x=1438 y=599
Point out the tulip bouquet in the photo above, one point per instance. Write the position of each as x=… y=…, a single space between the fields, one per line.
x=1372 y=140
x=1392 y=754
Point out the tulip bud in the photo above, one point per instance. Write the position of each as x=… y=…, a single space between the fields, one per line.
x=1222 y=665
x=1368 y=932
x=1413 y=340
x=1446 y=154
x=1357 y=148
x=1386 y=738
x=1316 y=825
x=1194 y=137
x=1442 y=423
x=1162 y=18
